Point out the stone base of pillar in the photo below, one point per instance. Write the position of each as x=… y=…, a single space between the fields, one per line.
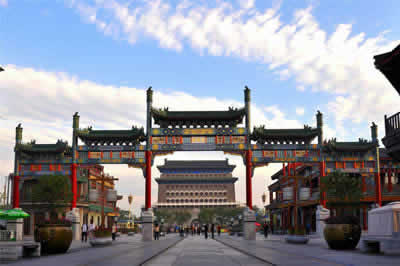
x=74 y=217
x=147 y=225
x=16 y=226
x=321 y=214
x=249 y=224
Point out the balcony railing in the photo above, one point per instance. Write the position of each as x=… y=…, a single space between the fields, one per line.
x=392 y=124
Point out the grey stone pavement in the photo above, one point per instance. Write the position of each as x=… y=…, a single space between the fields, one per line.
x=197 y=251
x=126 y=250
x=276 y=251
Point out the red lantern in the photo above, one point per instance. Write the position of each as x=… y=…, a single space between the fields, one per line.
x=130 y=197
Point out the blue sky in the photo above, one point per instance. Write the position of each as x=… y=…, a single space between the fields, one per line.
x=60 y=54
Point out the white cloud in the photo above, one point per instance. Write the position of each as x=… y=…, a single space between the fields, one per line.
x=3 y=3
x=44 y=103
x=300 y=111
x=340 y=63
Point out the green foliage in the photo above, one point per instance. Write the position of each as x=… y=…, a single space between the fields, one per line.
x=53 y=191
x=172 y=217
x=341 y=188
x=221 y=215
x=102 y=232
x=299 y=231
x=342 y=220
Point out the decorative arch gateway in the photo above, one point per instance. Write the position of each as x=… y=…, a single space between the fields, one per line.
x=196 y=131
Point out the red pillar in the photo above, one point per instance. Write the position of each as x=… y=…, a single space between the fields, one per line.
x=284 y=169
x=365 y=227
x=322 y=174
x=74 y=184
x=378 y=191
x=16 y=192
x=148 y=180
x=249 y=197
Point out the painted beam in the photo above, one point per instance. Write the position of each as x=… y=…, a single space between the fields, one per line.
x=239 y=131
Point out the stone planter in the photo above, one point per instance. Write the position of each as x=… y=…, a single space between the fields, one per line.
x=54 y=238
x=342 y=236
x=100 y=241
x=297 y=239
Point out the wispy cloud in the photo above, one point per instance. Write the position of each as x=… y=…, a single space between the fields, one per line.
x=3 y=3
x=339 y=63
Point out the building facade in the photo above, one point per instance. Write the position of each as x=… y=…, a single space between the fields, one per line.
x=298 y=183
x=89 y=188
x=196 y=184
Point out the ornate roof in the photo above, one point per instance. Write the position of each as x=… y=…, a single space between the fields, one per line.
x=89 y=136
x=263 y=135
x=360 y=145
x=389 y=65
x=31 y=147
x=196 y=164
x=165 y=118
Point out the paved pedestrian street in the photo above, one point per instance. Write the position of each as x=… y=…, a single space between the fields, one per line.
x=126 y=250
x=173 y=250
x=197 y=251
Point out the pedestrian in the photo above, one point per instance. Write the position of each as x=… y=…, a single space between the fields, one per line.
x=91 y=230
x=219 y=230
x=206 y=231
x=84 y=232
x=308 y=228
x=156 y=232
x=265 y=227
x=212 y=230
x=113 y=231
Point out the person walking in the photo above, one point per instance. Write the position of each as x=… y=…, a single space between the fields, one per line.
x=265 y=227
x=84 y=232
x=206 y=231
x=113 y=231
x=219 y=230
x=156 y=232
x=91 y=229
x=212 y=230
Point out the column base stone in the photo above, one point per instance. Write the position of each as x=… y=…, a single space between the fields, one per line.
x=147 y=225
x=249 y=224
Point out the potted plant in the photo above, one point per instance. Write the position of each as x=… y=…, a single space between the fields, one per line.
x=342 y=231
x=297 y=235
x=53 y=194
x=100 y=237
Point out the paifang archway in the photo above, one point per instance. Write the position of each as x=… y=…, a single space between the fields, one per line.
x=196 y=131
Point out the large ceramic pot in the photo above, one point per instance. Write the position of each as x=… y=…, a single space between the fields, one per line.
x=342 y=236
x=55 y=238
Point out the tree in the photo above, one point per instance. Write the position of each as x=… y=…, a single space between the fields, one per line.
x=52 y=193
x=342 y=190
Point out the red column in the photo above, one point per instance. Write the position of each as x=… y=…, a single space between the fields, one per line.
x=249 y=198
x=74 y=184
x=148 y=180
x=390 y=180
x=271 y=197
x=323 y=194
x=365 y=227
x=378 y=191
x=364 y=185
x=16 y=192
x=284 y=169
